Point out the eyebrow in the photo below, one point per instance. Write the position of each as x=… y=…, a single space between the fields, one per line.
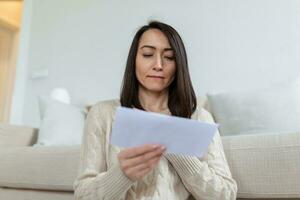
x=152 y=47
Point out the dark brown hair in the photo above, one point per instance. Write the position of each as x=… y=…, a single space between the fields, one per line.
x=182 y=99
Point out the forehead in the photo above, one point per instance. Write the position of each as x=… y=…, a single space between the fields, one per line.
x=155 y=38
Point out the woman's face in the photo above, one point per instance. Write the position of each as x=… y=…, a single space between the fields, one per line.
x=155 y=61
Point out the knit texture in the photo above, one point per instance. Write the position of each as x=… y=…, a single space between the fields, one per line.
x=175 y=177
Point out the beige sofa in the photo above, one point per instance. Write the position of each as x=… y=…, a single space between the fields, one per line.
x=264 y=166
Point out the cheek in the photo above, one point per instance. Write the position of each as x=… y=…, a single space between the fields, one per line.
x=138 y=73
x=171 y=70
x=138 y=67
x=142 y=66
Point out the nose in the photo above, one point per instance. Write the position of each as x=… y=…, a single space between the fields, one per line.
x=158 y=66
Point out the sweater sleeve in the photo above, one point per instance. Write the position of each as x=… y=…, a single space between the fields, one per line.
x=94 y=180
x=208 y=177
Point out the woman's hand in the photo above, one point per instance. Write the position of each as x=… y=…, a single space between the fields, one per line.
x=137 y=162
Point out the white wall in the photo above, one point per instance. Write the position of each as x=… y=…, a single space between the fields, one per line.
x=231 y=44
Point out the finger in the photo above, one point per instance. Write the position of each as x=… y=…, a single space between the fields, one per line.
x=136 y=151
x=142 y=173
x=150 y=164
x=145 y=157
x=137 y=168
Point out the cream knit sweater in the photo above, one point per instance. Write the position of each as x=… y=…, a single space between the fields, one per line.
x=174 y=178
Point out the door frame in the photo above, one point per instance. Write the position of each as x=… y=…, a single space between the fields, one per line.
x=8 y=67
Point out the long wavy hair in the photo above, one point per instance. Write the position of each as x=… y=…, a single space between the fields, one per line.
x=182 y=99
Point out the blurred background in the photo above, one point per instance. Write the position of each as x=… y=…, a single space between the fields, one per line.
x=10 y=19
x=82 y=46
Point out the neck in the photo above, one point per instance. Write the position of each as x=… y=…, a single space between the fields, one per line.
x=153 y=101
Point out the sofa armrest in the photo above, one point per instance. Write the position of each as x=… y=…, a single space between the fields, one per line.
x=16 y=135
x=265 y=165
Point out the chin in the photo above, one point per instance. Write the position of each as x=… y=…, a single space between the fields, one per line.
x=155 y=88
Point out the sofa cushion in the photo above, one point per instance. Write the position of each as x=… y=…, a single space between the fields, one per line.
x=27 y=194
x=265 y=166
x=270 y=110
x=16 y=135
x=62 y=124
x=49 y=168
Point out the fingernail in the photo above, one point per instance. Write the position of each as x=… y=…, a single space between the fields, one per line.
x=162 y=147
x=155 y=146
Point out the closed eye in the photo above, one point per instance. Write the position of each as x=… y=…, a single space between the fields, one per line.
x=147 y=55
x=169 y=57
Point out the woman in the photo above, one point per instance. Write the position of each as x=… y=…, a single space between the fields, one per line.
x=156 y=79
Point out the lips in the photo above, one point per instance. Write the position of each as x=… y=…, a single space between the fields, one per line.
x=156 y=77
